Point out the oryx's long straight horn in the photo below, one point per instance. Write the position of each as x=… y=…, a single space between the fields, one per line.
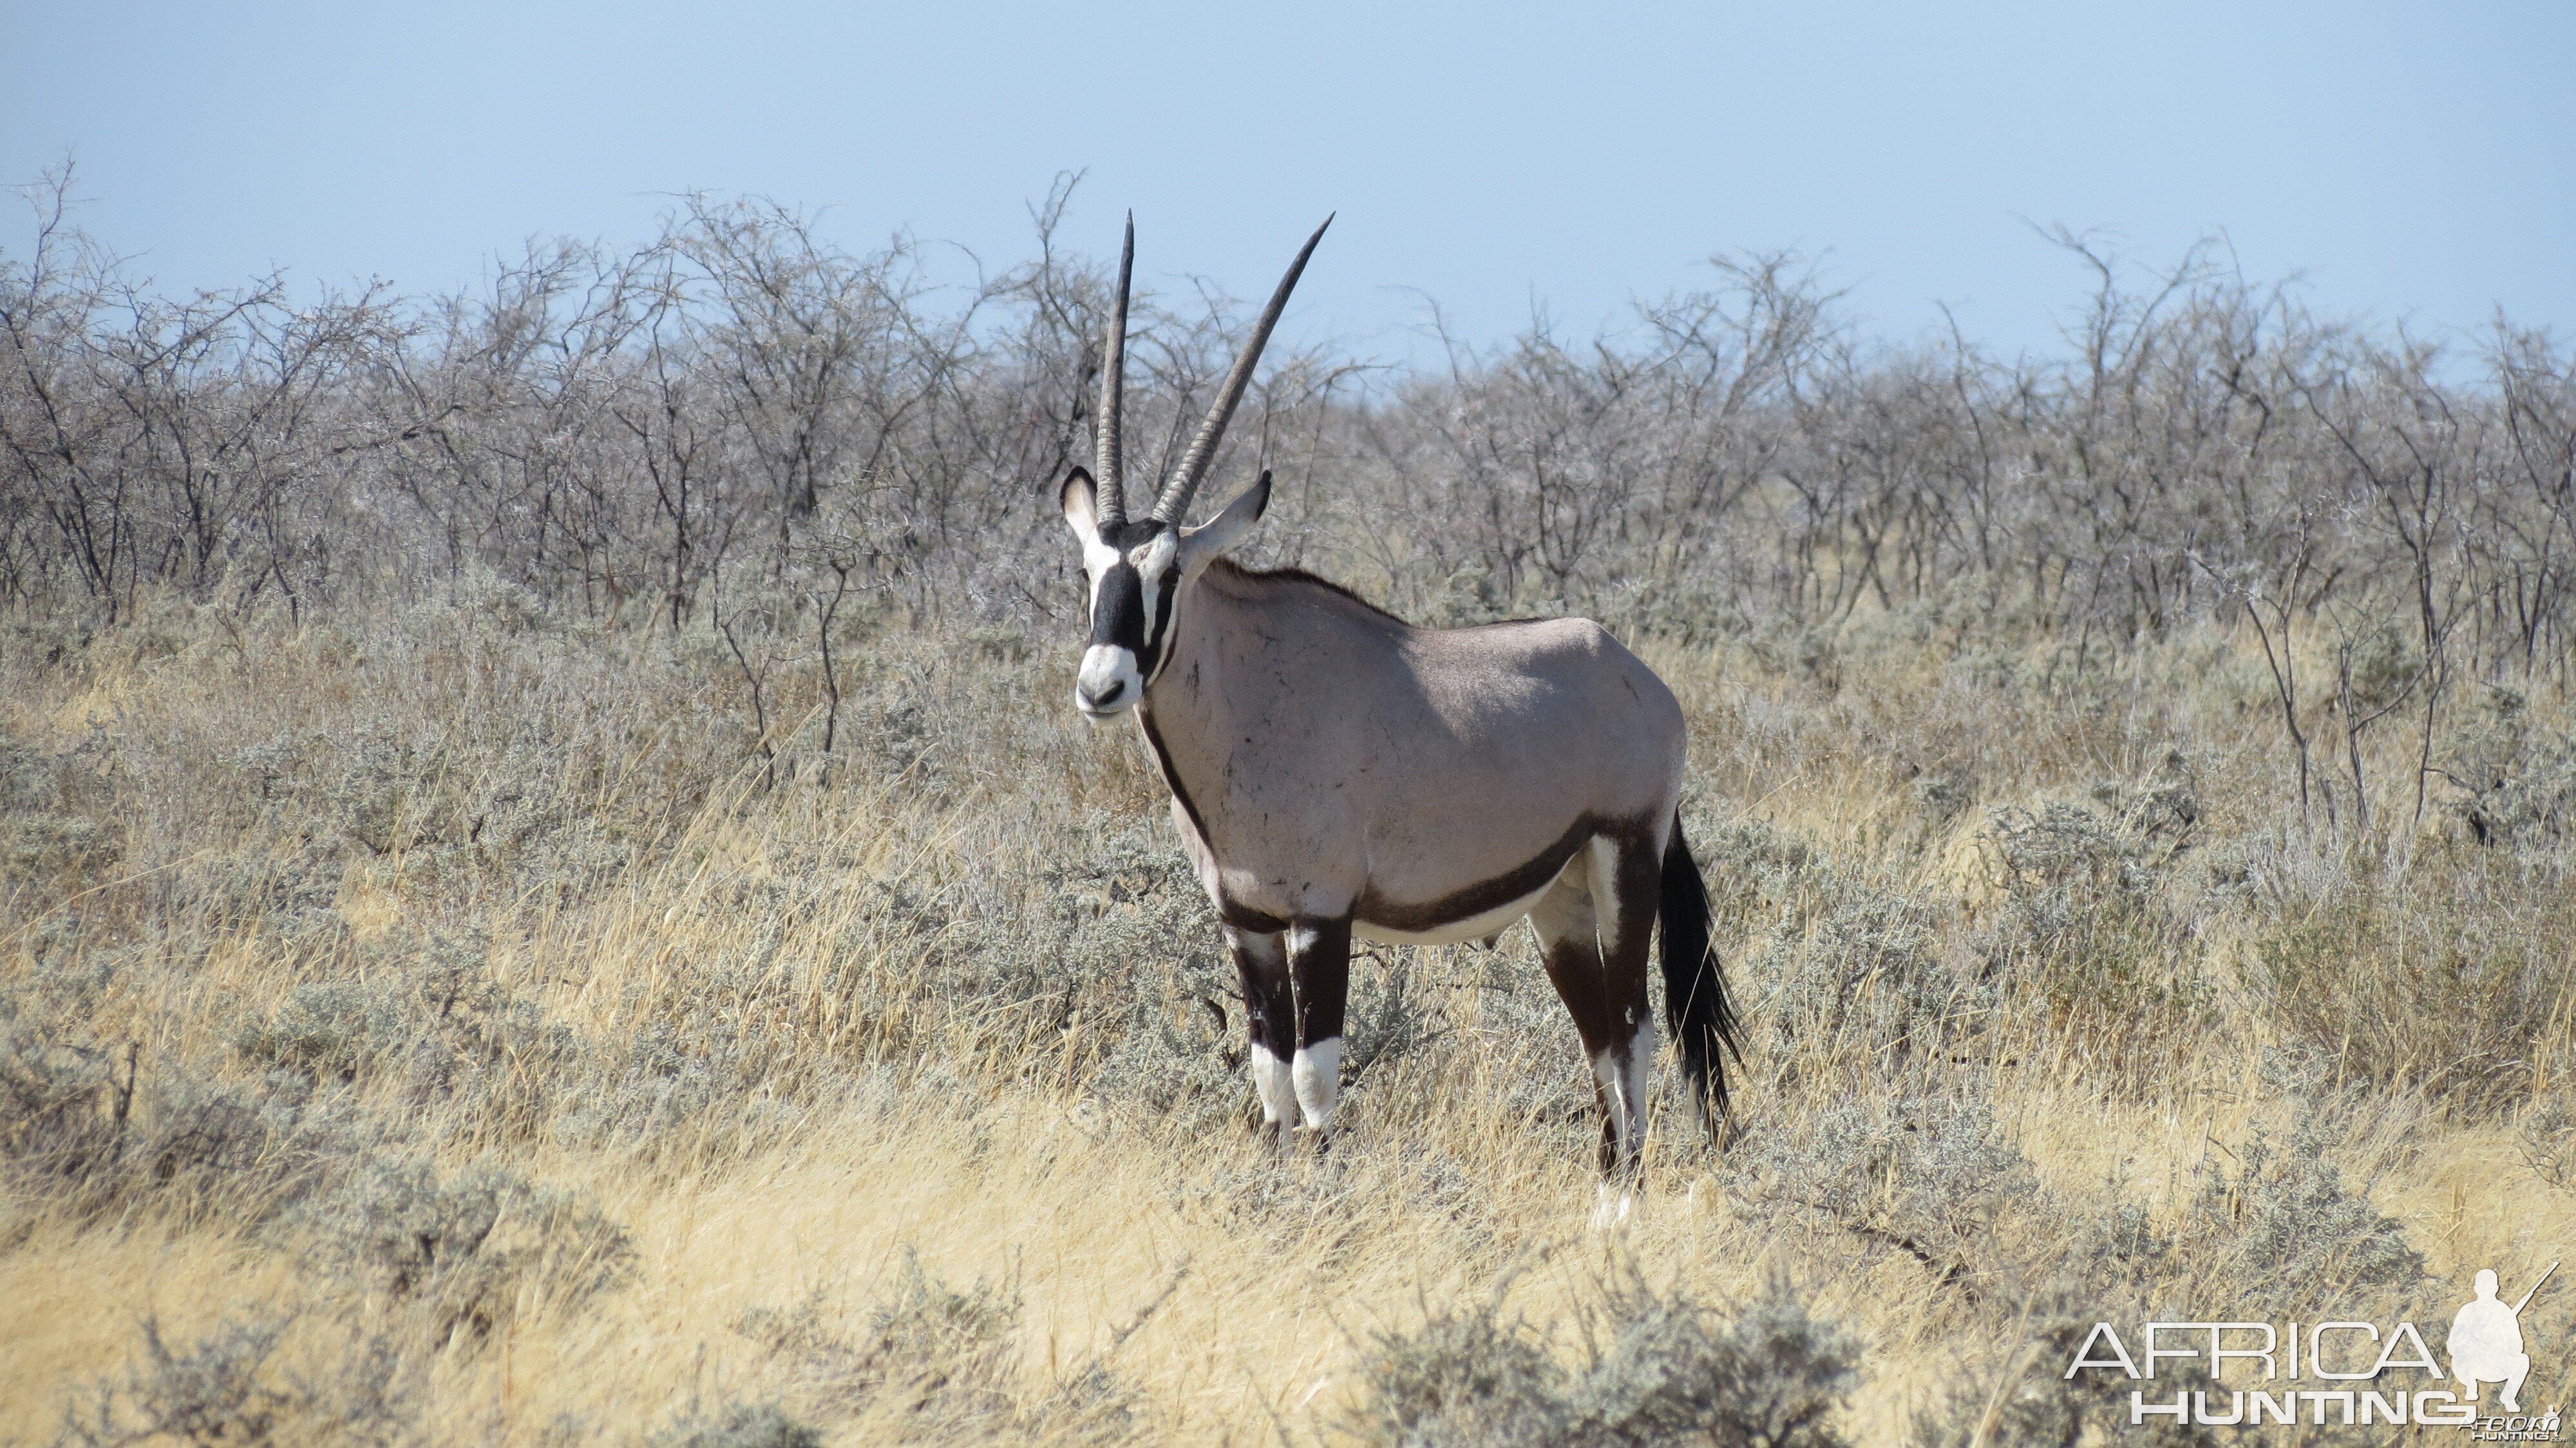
x=1113 y=389
x=1194 y=463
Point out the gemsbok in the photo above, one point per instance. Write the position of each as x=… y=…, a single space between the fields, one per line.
x=1336 y=771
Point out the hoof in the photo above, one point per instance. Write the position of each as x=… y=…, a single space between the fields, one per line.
x=1310 y=1140
x=1611 y=1209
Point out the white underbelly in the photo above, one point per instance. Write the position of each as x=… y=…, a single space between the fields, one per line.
x=1474 y=927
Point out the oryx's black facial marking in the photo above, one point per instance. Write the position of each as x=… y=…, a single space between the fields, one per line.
x=1118 y=609
x=1135 y=578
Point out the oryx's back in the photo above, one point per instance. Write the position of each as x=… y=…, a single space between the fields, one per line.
x=1380 y=765
x=1552 y=718
x=1558 y=700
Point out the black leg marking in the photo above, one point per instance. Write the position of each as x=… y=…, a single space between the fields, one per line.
x=1262 y=959
x=1627 y=960
x=1319 y=958
x=1568 y=943
x=1595 y=927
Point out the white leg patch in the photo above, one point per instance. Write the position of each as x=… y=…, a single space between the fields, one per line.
x=1278 y=1095
x=1621 y=1074
x=1608 y=1075
x=1633 y=1081
x=1318 y=1073
x=1605 y=1074
x=1611 y=1208
x=1604 y=859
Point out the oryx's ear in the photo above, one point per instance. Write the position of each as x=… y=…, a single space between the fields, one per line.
x=1226 y=529
x=1082 y=507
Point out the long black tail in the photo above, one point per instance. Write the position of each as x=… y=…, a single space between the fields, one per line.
x=1695 y=1006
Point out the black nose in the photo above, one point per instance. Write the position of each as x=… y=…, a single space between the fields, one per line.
x=1105 y=698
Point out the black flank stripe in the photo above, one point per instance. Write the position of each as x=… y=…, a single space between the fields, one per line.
x=1151 y=657
x=1172 y=777
x=1485 y=895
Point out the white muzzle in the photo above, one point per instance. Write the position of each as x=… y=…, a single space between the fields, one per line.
x=1108 y=681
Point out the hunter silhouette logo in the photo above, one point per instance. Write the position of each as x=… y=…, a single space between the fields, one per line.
x=2486 y=1341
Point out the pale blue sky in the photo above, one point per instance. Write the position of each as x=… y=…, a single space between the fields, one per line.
x=2413 y=161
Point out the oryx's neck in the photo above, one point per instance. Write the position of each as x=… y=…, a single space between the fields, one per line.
x=1254 y=657
x=1185 y=715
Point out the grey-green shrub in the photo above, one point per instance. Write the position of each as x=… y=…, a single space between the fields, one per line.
x=1653 y=1368
x=463 y=1251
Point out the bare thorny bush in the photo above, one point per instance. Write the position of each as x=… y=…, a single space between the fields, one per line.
x=365 y=661
x=742 y=422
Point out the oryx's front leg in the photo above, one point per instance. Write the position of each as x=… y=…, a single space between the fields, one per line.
x=1319 y=958
x=1272 y=1022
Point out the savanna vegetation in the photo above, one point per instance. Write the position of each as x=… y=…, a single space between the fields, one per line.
x=551 y=892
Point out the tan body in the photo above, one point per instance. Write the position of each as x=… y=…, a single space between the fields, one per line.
x=1343 y=763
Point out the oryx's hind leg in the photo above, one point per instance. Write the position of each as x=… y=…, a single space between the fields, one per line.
x=1272 y=1023
x=1626 y=879
x=1592 y=930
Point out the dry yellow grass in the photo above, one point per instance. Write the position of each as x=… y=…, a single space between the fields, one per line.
x=1254 y=1289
